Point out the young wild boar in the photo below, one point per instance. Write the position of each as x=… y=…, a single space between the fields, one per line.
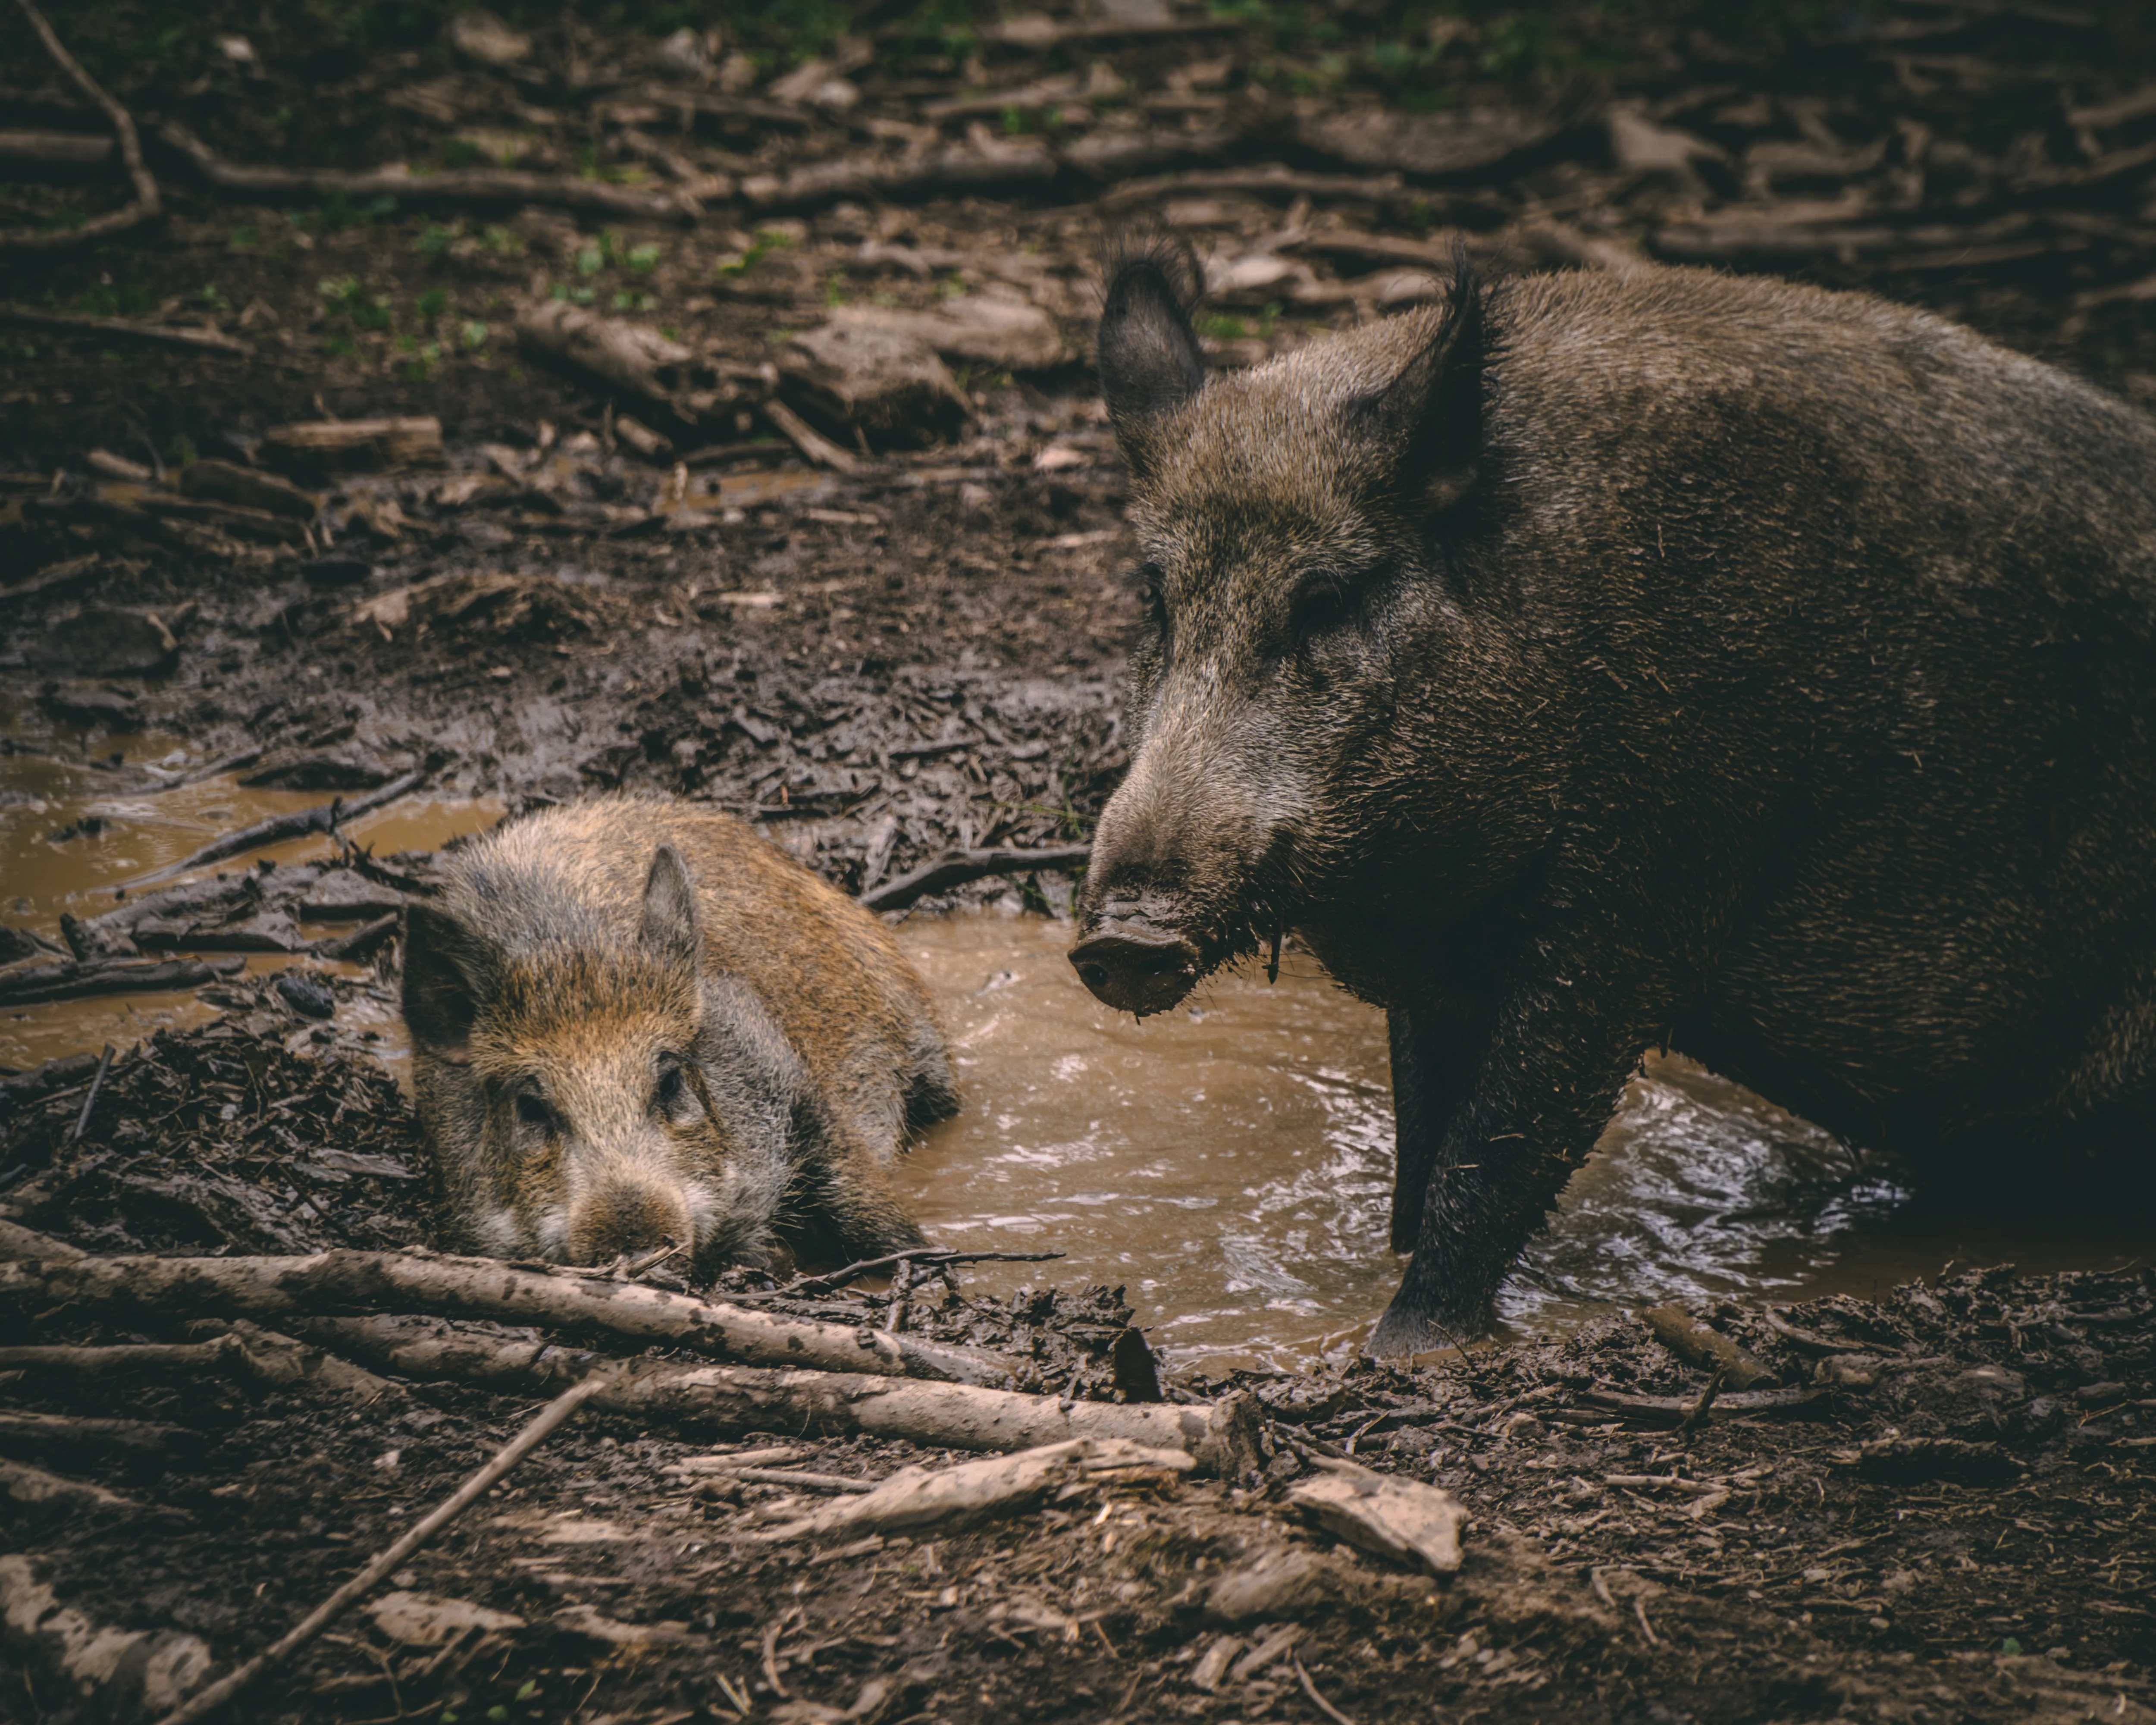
x=1601 y=662
x=634 y=1023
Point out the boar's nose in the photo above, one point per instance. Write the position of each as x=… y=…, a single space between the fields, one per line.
x=1134 y=968
x=624 y=1217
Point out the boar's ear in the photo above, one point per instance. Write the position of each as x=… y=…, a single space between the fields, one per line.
x=668 y=925
x=1149 y=355
x=1426 y=424
x=449 y=969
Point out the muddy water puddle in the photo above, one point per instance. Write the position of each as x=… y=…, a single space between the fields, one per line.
x=1232 y=1166
x=76 y=824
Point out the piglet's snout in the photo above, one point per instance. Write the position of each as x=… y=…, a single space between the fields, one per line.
x=630 y=1216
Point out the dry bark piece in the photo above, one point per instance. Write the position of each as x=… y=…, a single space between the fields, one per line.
x=117 y=1673
x=356 y=445
x=1401 y=1519
x=1006 y=334
x=882 y=379
x=955 y=1497
x=719 y=1400
x=1699 y=1345
x=429 y=1621
x=630 y=357
x=250 y=487
x=484 y=1288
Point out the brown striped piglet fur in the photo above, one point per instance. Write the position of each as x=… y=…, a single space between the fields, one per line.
x=636 y=1023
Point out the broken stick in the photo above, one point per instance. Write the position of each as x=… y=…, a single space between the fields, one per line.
x=957 y=867
x=279 y=827
x=722 y=1400
x=147 y=205
x=482 y=1288
x=561 y=1408
x=122 y=329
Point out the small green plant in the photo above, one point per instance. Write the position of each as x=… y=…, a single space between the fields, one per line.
x=835 y=288
x=245 y=237
x=624 y=301
x=503 y=242
x=434 y=303
x=767 y=240
x=212 y=295
x=474 y=334
x=461 y=152
x=645 y=259
x=435 y=240
x=348 y=296
x=1222 y=327
x=590 y=260
x=180 y=450
x=1018 y=121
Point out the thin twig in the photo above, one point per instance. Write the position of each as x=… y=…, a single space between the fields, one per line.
x=957 y=867
x=280 y=827
x=1318 y=1700
x=771 y=1659
x=90 y=1102
x=148 y=206
x=937 y=1255
x=1691 y=1421
x=557 y=1411
x=811 y=443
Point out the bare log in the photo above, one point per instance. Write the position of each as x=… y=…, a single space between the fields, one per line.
x=463 y=189
x=120 y=1673
x=120 y=329
x=147 y=205
x=481 y=1287
x=562 y=1408
x=957 y=867
x=242 y=1351
x=725 y=1400
x=280 y=827
x=631 y=357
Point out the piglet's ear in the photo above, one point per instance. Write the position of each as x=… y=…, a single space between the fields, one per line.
x=668 y=925
x=449 y=969
x=1150 y=360
x=1425 y=426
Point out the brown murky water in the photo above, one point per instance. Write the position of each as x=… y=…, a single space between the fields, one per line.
x=1230 y=1164
x=66 y=781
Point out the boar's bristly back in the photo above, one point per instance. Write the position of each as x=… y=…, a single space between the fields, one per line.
x=449 y=969
x=1149 y=357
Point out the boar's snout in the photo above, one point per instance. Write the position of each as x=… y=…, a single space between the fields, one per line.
x=627 y=1217
x=1136 y=968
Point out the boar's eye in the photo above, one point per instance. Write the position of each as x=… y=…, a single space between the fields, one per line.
x=672 y=1095
x=1152 y=595
x=533 y=1111
x=1324 y=601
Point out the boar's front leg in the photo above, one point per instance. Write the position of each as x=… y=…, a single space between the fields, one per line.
x=1433 y=1064
x=1562 y=1045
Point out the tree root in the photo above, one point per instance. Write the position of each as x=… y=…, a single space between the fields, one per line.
x=480 y=1287
x=120 y=1673
x=147 y=206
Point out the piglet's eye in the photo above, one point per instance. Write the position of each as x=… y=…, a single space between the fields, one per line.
x=672 y=1095
x=532 y=1110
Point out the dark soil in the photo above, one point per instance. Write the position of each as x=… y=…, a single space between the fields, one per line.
x=885 y=664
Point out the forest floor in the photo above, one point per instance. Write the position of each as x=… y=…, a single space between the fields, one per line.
x=886 y=620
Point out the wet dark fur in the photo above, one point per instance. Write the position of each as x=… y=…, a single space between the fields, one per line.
x=1599 y=662
x=635 y=1022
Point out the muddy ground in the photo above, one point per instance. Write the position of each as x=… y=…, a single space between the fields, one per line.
x=908 y=646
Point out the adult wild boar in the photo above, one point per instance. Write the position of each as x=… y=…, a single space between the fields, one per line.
x=1598 y=662
x=635 y=1023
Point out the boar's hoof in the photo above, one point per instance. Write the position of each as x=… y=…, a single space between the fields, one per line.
x=1404 y=1331
x=1136 y=970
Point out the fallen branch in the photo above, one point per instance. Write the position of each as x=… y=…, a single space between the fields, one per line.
x=1318 y=1700
x=243 y=1351
x=120 y=1673
x=280 y=827
x=631 y=357
x=360 y=942
x=120 y=329
x=957 y=867
x=554 y=1414
x=147 y=207
x=922 y=1257
x=21 y=1428
x=1274 y=181
x=483 y=1288
x=462 y=189
x=1809 y=1341
x=69 y=981
x=955 y=1497
x=724 y=1400
x=1672 y=1411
